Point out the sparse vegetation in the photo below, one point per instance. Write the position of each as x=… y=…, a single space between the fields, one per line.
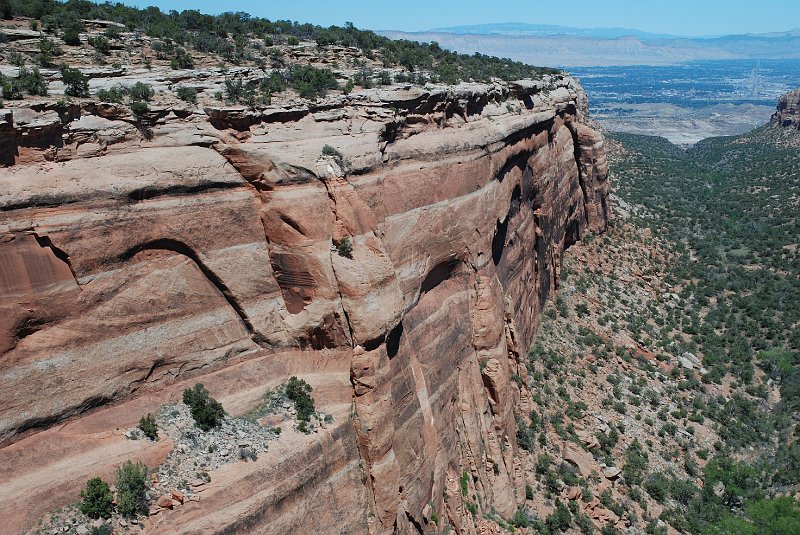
x=77 y=85
x=206 y=411
x=345 y=248
x=148 y=426
x=96 y=499
x=299 y=392
x=187 y=94
x=131 y=484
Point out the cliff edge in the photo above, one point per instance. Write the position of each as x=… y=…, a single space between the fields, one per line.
x=788 y=112
x=394 y=247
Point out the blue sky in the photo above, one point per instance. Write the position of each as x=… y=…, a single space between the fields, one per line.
x=680 y=17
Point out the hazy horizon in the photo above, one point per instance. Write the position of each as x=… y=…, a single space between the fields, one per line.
x=684 y=18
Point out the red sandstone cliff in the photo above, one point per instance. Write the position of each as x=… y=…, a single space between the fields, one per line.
x=136 y=259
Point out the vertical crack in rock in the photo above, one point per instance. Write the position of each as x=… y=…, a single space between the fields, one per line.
x=346 y=318
x=576 y=145
x=167 y=244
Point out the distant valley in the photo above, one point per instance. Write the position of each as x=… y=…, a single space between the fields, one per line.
x=690 y=102
x=684 y=89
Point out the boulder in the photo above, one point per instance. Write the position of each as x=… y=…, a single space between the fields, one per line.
x=582 y=460
x=165 y=502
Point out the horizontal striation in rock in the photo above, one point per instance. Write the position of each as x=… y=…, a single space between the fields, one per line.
x=210 y=251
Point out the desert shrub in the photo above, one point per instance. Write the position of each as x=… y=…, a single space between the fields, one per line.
x=348 y=86
x=97 y=499
x=182 y=60
x=237 y=91
x=131 y=481
x=149 y=426
x=72 y=29
x=77 y=84
x=141 y=91
x=299 y=392
x=47 y=51
x=292 y=41
x=337 y=156
x=560 y=519
x=274 y=83
x=32 y=81
x=105 y=529
x=635 y=463
x=521 y=519
x=246 y=454
x=682 y=491
x=115 y=94
x=12 y=89
x=584 y=524
x=139 y=108
x=187 y=94
x=206 y=411
x=310 y=81
x=101 y=44
x=345 y=248
x=657 y=486
x=524 y=435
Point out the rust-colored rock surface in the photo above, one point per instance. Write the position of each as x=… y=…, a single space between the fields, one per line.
x=133 y=265
x=788 y=112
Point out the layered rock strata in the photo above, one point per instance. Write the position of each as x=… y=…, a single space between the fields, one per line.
x=139 y=256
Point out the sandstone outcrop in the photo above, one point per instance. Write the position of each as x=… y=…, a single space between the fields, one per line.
x=788 y=112
x=201 y=244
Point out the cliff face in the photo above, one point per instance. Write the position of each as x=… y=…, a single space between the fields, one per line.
x=138 y=257
x=788 y=112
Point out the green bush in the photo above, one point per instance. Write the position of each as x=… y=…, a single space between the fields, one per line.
x=139 y=108
x=299 y=392
x=115 y=94
x=187 y=94
x=101 y=44
x=560 y=519
x=72 y=36
x=520 y=519
x=274 y=83
x=131 y=482
x=141 y=91
x=149 y=426
x=182 y=60
x=312 y=82
x=206 y=411
x=47 y=51
x=345 y=248
x=77 y=85
x=657 y=486
x=97 y=499
x=105 y=529
x=32 y=82
x=635 y=463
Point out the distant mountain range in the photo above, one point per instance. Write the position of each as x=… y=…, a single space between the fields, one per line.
x=563 y=46
x=522 y=28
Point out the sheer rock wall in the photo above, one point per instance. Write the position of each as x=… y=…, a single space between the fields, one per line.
x=201 y=245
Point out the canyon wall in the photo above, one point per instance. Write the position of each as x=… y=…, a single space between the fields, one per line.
x=141 y=255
